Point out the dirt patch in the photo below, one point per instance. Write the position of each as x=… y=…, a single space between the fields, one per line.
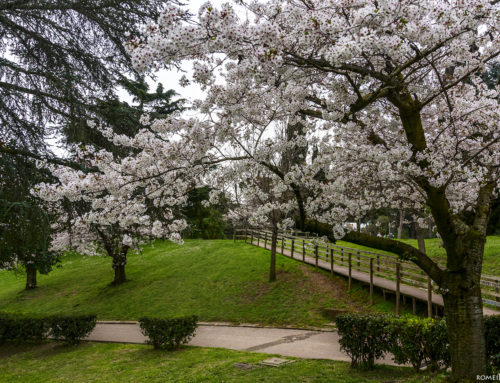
x=334 y=288
x=256 y=292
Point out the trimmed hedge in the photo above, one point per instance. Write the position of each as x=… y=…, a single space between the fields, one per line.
x=417 y=341
x=20 y=328
x=169 y=333
x=72 y=328
x=363 y=337
x=366 y=338
x=492 y=335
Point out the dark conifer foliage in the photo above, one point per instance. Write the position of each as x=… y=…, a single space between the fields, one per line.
x=57 y=57
x=24 y=223
x=122 y=117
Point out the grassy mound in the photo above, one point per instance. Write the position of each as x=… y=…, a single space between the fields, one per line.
x=216 y=280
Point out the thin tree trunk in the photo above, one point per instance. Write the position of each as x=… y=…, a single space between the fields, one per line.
x=420 y=239
x=119 y=262
x=358 y=225
x=464 y=319
x=401 y=222
x=274 y=241
x=30 y=277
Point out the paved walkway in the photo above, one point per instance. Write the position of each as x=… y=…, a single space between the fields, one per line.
x=287 y=342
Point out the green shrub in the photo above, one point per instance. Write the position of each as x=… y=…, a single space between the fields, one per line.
x=417 y=341
x=364 y=338
x=492 y=336
x=72 y=328
x=20 y=328
x=168 y=333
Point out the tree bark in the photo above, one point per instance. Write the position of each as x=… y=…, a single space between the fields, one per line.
x=401 y=222
x=464 y=320
x=420 y=239
x=274 y=241
x=30 y=277
x=119 y=262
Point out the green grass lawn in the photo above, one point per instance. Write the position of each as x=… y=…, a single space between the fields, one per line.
x=361 y=247
x=217 y=280
x=491 y=260
x=491 y=263
x=98 y=362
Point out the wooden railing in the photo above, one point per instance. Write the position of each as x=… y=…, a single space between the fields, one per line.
x=301 y=245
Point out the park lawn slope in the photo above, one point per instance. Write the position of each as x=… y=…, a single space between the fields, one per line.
x=217 y=280
x=110 y=363
x=491 y=262
x=491 y=259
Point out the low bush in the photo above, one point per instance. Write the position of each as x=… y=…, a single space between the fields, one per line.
x=364 y=338
x=492 y=335
x=168 y=333
x=19 y=328
x=417 y=341
x=72 y=328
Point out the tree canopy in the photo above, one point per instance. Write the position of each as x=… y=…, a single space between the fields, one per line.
x=57 y=58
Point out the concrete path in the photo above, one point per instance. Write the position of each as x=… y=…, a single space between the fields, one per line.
x=287 y=342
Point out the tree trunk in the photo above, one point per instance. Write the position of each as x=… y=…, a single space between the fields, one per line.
x=119 y=262
x=30 y=277
x=274 y=241
x=401 y=222
x=464 y=319
x=420 y=239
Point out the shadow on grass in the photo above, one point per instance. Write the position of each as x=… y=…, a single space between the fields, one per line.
x=39 y=350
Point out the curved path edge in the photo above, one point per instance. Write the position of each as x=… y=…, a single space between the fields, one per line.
x=300 y=343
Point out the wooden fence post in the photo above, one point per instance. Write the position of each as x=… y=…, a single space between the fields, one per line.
x=282 y=245
x=258 y=239
x=398 y=283
x=331 y=262
x=293 y=245
x=429 y=297
x=359 y=261
x=342 y=257
x=371 y=281
x=303 y=250
x=350 y=273
x=251 y=237
x=316 y=255
x=378 y=262
x=265 y=240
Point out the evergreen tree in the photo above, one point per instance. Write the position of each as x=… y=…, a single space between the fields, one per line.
x=24 y=224
x=57 y=58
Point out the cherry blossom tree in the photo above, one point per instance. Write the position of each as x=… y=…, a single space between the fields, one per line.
x=121 y=203
x=264 y=200
x=397 y=86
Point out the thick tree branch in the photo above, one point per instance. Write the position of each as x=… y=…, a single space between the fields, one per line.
x=404 y=251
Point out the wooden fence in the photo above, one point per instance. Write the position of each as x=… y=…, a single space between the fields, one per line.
x=300 y=246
